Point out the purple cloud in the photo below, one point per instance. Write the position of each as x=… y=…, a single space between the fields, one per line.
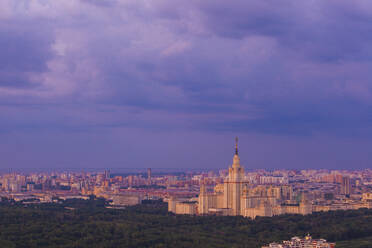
x=295 y=69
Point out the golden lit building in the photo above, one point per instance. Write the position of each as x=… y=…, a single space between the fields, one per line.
x=226 y=198
x=233 y=185
x=182 y=206
x=236 y=196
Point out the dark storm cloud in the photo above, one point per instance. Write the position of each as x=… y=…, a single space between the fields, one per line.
x=25 y=51
x=249 y=18
x=105 y=82
x=305 y=120
x=258 y=65
x=324 y=30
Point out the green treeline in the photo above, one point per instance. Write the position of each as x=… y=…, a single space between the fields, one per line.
x=79 y=223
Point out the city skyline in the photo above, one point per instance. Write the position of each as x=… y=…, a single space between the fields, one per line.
x=124 y=84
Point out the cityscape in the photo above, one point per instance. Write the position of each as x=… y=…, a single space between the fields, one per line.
x=228 y=192
x=185 y=123
x=231 y=191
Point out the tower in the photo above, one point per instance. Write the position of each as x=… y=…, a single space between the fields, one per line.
x=107 y=174
x=345 y=186
x=233 y=184
x=149 y=176
x=203 y=200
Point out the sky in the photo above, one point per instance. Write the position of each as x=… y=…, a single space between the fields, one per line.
x=169 y=84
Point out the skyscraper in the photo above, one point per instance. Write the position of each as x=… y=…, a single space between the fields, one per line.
x=226 y=198
x=233 y=184
x=149 y=176
x=237 y=196
x=345 y=186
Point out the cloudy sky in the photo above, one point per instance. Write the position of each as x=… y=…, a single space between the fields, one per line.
x=169 y=83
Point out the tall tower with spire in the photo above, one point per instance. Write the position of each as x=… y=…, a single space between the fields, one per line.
x=236 y=146
x=233 y=184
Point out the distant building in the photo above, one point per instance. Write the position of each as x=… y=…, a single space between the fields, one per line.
x=126 y=200
x=149 y=176
x=107 y=174
x=332 y=178
x=182 y=206
x=226 y=197
x=273 y=180
x=307 y=242
x=236 y=196
x=345 y=186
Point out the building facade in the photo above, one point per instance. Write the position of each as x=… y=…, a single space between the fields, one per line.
x=236 y=196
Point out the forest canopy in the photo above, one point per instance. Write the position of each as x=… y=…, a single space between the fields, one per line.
x=87 y=223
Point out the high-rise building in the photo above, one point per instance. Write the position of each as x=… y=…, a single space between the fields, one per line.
x=345 y=186
x=236 y=196
x=233 y=184
x=107 y=174
x=130 y=180
x=226 y=198
x=149 y=175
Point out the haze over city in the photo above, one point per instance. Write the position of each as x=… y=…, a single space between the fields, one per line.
x=169 y=84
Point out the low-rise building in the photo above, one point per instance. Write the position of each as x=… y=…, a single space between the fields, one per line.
x=307 y=242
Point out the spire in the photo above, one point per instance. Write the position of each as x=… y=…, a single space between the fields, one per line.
x=236 y=159
x=236 y=145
